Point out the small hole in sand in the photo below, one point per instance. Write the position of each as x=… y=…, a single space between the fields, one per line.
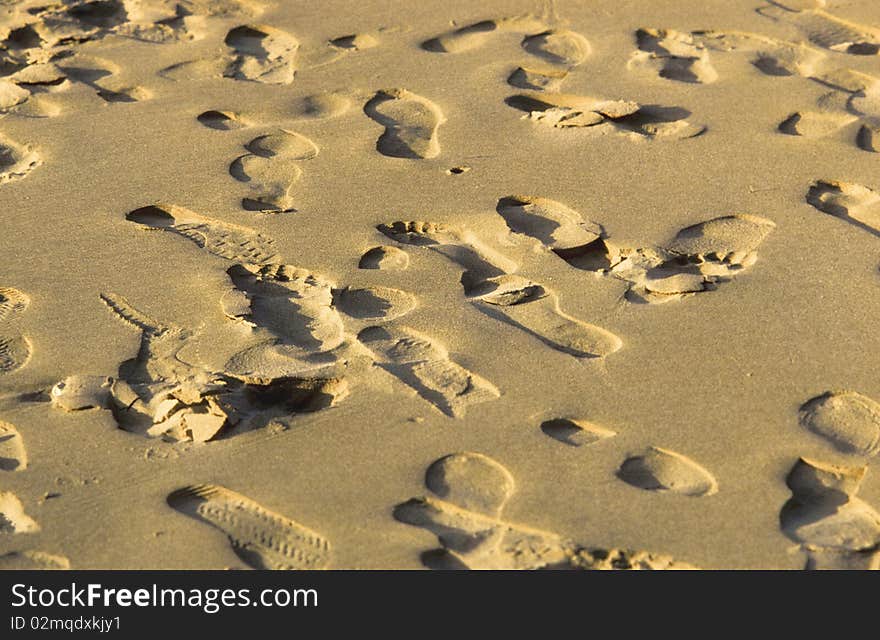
x=454 y=171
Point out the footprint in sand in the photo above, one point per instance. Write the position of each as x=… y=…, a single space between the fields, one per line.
x=490 y=284
x=319 y=106
x=261 y=54
x=103 y=77
x=815 y=124
x=673 y=55
x=698 y=259
x=855 y=203
x=385 y=259
x=13 y=519
x=558 y=46
x=16 y=161
x=424 y=365
x=410 y=122
x=834 y=528
x=601 y=117
x=33 y=561
x=576 y=432
x=262 y=539
x=475 y=35
x=847 y=419
x=827 y=30
x=230 y=241
x=466 y=516
x=661 y=470
x=160 y=393
x=13 y=455
x=271 y=169
x=15 y=349
x=222 y=120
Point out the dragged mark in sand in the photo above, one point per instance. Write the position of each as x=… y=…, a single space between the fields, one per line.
x=15 y=348
x=13 y=455
x=261 y=538
x=835 y=529
x=472 y=490
x=855 y=203
x=230 y=241
x=657 y=469
x=847 y=419
x=424 y=365
x=13 y=519
x=410 y=122
x=490 y=284
x=576 y=432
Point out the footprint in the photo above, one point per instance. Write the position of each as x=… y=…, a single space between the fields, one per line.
x=294 y=305
x=16 y=161
x=222 y=120
x=855 y=203
x=662 y=470
x=373 y=304
x=425 y=366
x=15 y=348
x=770 y=56
x=598 y=116
x=261 y=54
x=558 y=46
x=261 y=538
x=835 y=529
x=537 y=78
x=815 y=124
x=828 y=31
x=13 y=519
x=847 y=419
x=385 y=259
x=472 y=490
x=576 y=433
x=490 y=285
x=319 y=106
x=13 y=456
x=475 y=35
x=673 y=55
x=355 y=42
x=230 y=241
x=33 y=561
x=410 y=122
x=271 y=169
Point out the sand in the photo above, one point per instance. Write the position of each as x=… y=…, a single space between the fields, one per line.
x=375 y=285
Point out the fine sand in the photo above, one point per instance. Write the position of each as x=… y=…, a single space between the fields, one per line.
x=493 y=285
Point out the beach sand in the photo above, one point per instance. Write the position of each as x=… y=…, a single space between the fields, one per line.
x=378 y=285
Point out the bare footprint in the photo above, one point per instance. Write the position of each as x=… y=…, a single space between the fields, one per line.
x=490 y=285
x=261 y=538
x=221 y=120
x=847 y=419
x=13 y=455
x=474 y=35
x=537 y=78
x=558 y=46
x=855 y=203
x=33 y=561
x=770 y=56
x=815 y=124
x=827 y=30
x=576 y=433
x=319 y=106
x=410 y=122
x=229 y=241
x=662 y=470
x=385 y=259
x=472 y=490
x=673 y=55
x=835 y=529
x=262 y=54
x=13 y=519
x=425 y=366
x=15 y=348
x=16 y=161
